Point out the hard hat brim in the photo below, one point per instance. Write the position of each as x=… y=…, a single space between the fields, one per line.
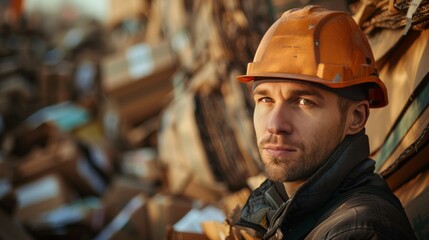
x=378 y=91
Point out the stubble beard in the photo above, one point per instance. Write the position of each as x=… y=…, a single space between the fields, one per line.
x=309 y=158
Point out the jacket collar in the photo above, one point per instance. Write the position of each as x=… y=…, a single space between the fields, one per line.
x=332 y=176
x=347 y=162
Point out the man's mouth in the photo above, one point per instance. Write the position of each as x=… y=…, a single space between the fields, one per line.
x=279 y=150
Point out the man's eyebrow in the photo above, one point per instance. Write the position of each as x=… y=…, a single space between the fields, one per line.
x=260 y=92
x=306 y=92
x=294 y=92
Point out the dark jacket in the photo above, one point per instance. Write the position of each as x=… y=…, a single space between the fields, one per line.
x=344 y=199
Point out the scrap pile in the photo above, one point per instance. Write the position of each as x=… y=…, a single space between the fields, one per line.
x=398 y=33
x=116 y=130
x=134 y=126
x=392 y=14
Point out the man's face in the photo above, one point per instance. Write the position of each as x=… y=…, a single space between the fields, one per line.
x=297 y=127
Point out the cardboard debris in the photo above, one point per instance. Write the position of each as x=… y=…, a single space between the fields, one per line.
x=65 y=116
x=401 y=74
x=256 y=181
x=120 y=192
x=8 y=202
x=233 y=201
x=174 y=235
x=86 y=213
x=164 y=211
x=42 y=195
x=412 y=135
x=24 y=139
x=187 y=141
x=411 y=162
x=161 y=75
x=192 y=224
x=414 y=197
x=56 y=83
x=205 y=193
x=413 y=188
x=215 y=230
x=63 y=157
x=11 y=229
x=398 y=133
x=117 y=11
x=193 y=220
x=178 y=32
x=143 y=164
x=130 y=223
x=137 y=83
x=135 y=63
x=153 y=31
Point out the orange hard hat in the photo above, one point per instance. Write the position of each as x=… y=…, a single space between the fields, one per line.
x=317 y=45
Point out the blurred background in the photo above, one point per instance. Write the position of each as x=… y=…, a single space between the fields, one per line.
x=124 y=120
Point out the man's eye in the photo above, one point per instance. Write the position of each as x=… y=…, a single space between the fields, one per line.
x=305 y=102
x=266 y=100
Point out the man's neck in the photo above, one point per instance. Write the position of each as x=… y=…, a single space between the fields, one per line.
x=292 y=187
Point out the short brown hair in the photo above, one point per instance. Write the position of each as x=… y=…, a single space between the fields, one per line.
x=344 y=105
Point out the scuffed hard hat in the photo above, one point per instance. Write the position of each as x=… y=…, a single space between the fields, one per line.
x=317 y=45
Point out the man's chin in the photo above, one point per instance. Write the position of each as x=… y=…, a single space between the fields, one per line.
x=281 y=174
x=276 y=173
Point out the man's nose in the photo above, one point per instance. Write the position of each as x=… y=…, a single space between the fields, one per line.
x=280 y=120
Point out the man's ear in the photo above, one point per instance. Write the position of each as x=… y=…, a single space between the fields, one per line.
x=358 y=115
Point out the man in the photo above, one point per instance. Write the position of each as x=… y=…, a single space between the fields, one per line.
x=314 y=80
